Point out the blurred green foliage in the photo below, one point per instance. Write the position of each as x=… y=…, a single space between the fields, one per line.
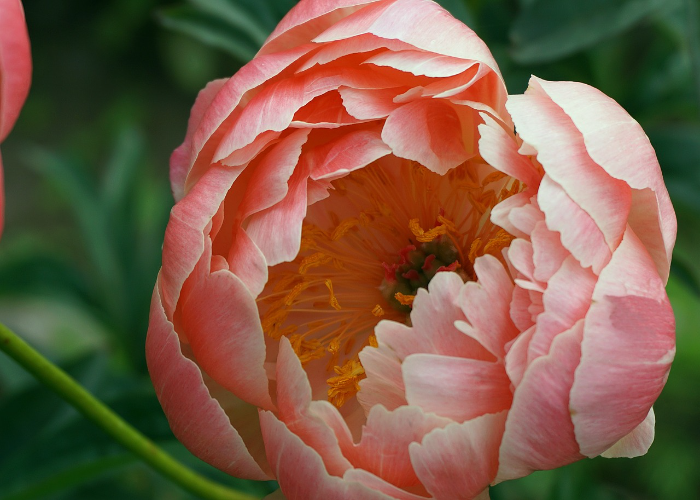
x=88 y=198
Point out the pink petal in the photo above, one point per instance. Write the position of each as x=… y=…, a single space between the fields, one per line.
x=566 y=301
x=628 y=346
x=422 y=63
x=184 y=235
x=293 y=400
x=325 y=111
x=461 y=460
x=379 y=484
x=500 y=150
x=486 y=305
x=539 y=433
x=516 y=356
x=421 y=23
x=370 y=104
x=220 y=340
x=383 y=448
x=299 y=469
x=273 y=108
x=352 y=151
x=456 y=388
x=548 y=253
x=562 y=152
x=268 y=183
x=15 y=64
x=524 y=218
x=500 y=214
x=195 y=418
x=307 y=20
x=637 y=442
x=579 y=233
x=616 y=142
x=384 y=383
x=433 y=324
x=248 y=263
x=180 y=159
x=428 y=132
x=519 y=309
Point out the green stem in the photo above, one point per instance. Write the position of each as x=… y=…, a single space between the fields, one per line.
x=56 y=379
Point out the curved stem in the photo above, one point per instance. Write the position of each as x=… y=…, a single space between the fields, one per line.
x=96 y=411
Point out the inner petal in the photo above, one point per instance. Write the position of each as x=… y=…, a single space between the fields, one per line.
x=384 y=232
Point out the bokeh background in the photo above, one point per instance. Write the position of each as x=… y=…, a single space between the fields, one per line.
x=88 y=200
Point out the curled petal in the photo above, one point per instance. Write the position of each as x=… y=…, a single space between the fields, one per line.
x=196 y=419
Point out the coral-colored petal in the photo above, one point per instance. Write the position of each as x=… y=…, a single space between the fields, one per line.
x=248 y=263
x=461 y=460
x=628 y=346
x=433 y=324
x=457 y=388
x=309 y=19
x=422 y=63
x=357 y=45
x=15 y=64
x=486 y=304
x=383 y=448
x=439 y=32
x=500 y=150
x=616 y=142
x=384 y=383
x=516 y=358
x=548 y=253
x=220 y=340
x=429 y=132
x=370 y=104
x=184 y=235
x=579 y=233
x=196 y=419
x=539 y=433
x=299 y=469
x=180 y=159
x=637 y=442
x=293 y=400
x=379 y=484
x=562 y=152
x=350 y=152
x=566 y=301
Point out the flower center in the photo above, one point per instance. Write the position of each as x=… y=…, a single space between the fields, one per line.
x=365 y=253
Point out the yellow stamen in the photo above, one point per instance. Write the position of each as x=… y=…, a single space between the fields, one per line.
x=346 y=383
x=378 y=311
x=405 y=300
x=333 y=300
x=425 y=236
x=300 y=287
x=314 y=260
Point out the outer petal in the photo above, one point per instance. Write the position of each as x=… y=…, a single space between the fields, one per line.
x=628 y=346
x=220 y=340
x=457 y=388
x=196 y=419
x=15 y=64
x=300 y=471
x=637 y=442
x=539 y=433
x=429 y=132
x=616 y=142
x=461 y=460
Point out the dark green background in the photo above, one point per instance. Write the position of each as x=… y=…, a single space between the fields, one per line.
x=88 y=198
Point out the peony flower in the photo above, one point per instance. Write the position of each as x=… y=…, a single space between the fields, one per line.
x=15 y=74
x=372 y=288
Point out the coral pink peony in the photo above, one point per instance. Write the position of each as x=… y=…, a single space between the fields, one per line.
x=15 y=73
x=371 y=288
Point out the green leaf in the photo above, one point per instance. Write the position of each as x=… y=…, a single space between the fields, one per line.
x=236 y=16
x=547 y=30
x=460 y=10
x=208 y=29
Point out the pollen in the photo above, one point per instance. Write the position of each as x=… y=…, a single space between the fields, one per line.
x=383 y=233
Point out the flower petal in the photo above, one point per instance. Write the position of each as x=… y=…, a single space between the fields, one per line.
x=628 y=346
x=429 y=132
x=195 y=418
x=15 y=64
x=637 y=442
x=456 y=388
x=539 y=434
x=299 y=469
x=461 y=460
